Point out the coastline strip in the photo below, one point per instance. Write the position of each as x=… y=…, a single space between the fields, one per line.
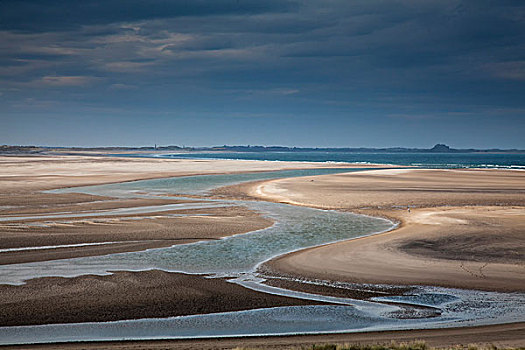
x=460 y=246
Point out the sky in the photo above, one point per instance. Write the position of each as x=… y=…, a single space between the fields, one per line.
x=326 y=73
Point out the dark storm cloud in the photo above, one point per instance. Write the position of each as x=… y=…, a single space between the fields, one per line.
x=355 y=61
x=344 y=38
x=42 y=15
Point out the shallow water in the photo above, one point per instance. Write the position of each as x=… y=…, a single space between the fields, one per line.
x=295 y=228
x=469 y=308
x=281 y=320
x=238 y=256
x=194 y=185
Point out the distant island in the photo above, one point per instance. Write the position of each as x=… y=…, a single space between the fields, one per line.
x=438 y=148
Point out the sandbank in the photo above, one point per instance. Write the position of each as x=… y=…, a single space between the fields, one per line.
x=23 y=178
x=465 y=228
x=448 y=209
x=127 y=295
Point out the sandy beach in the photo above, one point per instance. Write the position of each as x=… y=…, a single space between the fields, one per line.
x=109 y=234
x=96 y=298
x=23 y=178
x=464 y=228
x=22 y=173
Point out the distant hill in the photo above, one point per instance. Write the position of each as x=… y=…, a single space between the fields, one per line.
x=439 y=148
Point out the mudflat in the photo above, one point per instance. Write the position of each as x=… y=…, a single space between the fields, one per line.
x=29 y=234
x=464 y=226
x=127 y=295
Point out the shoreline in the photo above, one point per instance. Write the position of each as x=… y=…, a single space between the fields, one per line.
x=408 y=244
x=366 y=212
x=25 y=178
x=132 y=232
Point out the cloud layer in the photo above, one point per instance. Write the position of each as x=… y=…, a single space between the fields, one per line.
x=363 y=67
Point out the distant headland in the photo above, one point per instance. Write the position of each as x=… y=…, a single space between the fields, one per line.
x=438 y=148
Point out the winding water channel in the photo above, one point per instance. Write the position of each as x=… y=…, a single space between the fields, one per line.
x=238 y=257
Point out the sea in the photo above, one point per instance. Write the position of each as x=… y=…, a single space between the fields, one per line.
x=427 y=160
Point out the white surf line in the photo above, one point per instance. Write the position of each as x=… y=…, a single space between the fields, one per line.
x=61 y=246
x=120 y=211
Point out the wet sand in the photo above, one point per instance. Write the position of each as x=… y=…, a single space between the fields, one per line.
x=127 y=295
x=476 y=241
x=123 y=295
x=23 y=178
x=509 y=335
x=127 y=232
x=21 y=182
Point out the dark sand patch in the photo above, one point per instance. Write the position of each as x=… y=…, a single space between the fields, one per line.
x=126 y=295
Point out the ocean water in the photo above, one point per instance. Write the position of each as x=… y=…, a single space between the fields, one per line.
x=432 y=160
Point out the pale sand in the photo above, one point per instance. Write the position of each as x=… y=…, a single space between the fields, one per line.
x=44 y=172
x=476 y=242
x=22 y=178
x=92 y=298
x=386 y=189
